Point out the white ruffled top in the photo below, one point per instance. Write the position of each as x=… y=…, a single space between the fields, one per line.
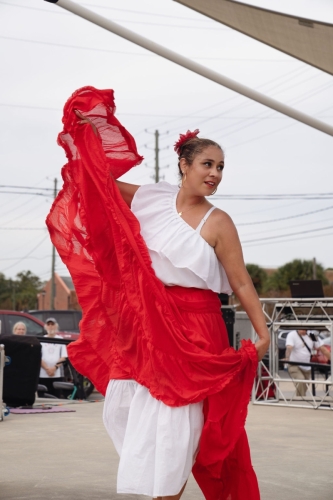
x=179 y=254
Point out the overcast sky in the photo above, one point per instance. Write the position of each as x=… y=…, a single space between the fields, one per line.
x=47 y=53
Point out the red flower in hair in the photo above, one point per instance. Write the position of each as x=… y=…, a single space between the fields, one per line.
x=184 y=138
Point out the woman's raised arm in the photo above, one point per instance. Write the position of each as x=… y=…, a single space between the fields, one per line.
x=127 y=191
x=229 y=252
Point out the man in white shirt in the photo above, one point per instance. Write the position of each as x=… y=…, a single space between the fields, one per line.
x=299 y=347
x=52 y=357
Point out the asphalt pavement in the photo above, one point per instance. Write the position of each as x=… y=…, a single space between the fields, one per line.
x=69 y=456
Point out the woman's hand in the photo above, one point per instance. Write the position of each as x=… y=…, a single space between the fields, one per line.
x=84 y=120
x=262 y=346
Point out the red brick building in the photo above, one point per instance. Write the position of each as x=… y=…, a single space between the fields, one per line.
x=65 y=295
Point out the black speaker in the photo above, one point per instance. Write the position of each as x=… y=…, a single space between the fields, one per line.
x=229 y=319
x=22 y=373
x=228 y=314
x=224 y=298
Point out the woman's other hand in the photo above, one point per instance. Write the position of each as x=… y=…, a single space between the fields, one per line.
x=262 y=346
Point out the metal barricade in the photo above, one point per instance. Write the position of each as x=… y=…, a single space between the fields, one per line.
x=274 y=385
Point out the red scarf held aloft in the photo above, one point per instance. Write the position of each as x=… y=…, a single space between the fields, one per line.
x=132 y=327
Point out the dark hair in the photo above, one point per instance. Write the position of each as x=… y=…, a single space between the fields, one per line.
x=193 y=147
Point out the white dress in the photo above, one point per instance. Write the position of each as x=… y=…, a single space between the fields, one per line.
x=157 y=443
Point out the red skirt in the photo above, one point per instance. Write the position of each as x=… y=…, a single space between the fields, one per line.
x=171 y=340
x=225 y=456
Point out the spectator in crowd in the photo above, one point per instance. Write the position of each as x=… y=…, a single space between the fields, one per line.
x=19 y=328
x=300 y=345
x=53 y=356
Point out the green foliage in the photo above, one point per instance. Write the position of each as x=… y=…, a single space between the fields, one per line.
x=258 y=276
x=21 y=293
x=294 y=270
x=5 y=292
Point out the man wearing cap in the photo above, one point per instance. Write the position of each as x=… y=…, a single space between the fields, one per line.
x=52 y=357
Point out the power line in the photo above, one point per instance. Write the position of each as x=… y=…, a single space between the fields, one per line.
x=243 y=102
x=284 y=218
x=34 y=8
x=286 y=241
x=25 y=213
x=268 y=209
x=17 y=206
x=246 y=196
x=259 y=117
x=263 y=114
x=30 y=258
x=261 y=136
x=277 y=196
x=208 y=119
x=25 y=187
x=146 y=13
x=129 y=21
x=68 y=46
x=307 y=94
x=298 y=226
x=10 y=105
x=150 y=115
x=288 y=234
x=88 y=48
x=95 y=49
x=23 y=192
x=28 y=254
x=23 y=228
x=28 y=241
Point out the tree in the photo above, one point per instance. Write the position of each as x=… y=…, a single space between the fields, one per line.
x=294 y=270
x=258 y=276
x=21 y=293
x=5 y=293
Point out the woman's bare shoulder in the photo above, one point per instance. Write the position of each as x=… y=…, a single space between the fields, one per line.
x=220 y=217
x=219 y=227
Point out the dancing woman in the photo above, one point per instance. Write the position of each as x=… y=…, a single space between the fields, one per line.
x=147 y=263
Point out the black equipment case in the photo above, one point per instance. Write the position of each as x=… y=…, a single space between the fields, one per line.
x=22 y=373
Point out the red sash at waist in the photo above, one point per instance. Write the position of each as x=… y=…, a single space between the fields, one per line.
x=172 y=340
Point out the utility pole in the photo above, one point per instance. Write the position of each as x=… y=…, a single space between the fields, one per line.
x=314 y=268
x=53 y=258
x=157 y=150
x=156 y=176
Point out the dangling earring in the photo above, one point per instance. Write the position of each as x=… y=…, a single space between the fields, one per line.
x=183 y=179
x=213 y=192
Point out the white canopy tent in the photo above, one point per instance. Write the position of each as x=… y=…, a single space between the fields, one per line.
x=307 y=40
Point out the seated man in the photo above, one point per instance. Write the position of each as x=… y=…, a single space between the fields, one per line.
x=52 y=357
x=300 y=345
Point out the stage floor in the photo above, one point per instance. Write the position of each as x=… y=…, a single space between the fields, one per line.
x=69 y=455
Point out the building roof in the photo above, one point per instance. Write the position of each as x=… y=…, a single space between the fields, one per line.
x=305 y=39
x=68 y=282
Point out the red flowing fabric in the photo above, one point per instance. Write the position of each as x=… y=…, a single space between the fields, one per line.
x=133 y=326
